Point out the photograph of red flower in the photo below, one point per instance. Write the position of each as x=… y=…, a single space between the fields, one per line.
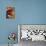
x=10 y=12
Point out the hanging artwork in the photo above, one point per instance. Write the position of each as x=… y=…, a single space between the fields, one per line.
x=32 y=32
x=10 y=12
x=12 y=38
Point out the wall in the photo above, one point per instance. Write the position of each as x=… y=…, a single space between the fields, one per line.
x=27 y=12
x=6 y=25
x=31 y=11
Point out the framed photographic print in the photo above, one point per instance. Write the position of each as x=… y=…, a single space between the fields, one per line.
x=10 y=12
